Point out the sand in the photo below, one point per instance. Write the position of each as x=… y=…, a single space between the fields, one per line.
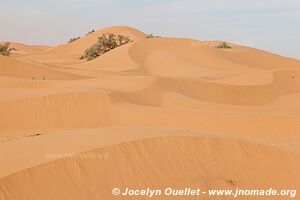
x=161 y=112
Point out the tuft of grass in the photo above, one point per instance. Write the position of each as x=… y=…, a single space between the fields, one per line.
x=231 y=182
x=5 y=49
x=34 y=135
x=74 y=39
x=105 y=43
x=223 y=45
x=151 y=35
x=92 y=31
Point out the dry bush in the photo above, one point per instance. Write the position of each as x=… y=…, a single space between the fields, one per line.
x=105 y=43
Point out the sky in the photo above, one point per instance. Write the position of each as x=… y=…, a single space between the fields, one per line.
x=272 y=25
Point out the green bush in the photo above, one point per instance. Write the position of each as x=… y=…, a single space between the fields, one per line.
x=105 y=43
x=152 y=36
x=74 y=39
x=5 y=49
x=223 y=45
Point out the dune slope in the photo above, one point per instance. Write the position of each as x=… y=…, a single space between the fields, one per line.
x=176 y=162
x=11 y=67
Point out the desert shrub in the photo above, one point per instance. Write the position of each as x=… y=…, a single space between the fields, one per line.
x=5 y=50
x=74 y=39
x=92 y=31
x=105 y=43
x=152 y=36
x=223 y=45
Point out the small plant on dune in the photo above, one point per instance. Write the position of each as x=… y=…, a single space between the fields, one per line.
x=105 y=43
x=5 y=50
x=92 y=31
x=152 y=36
x=223 y=45
x=74 y=39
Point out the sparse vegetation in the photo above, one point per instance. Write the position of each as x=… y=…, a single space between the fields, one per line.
x=92 y=31
x=77 y=38
x=231 y=182
x=223 y=45
x=74 y=39
x=5 y=49
x=105 y=43
x=34 y=135
x=152 y=36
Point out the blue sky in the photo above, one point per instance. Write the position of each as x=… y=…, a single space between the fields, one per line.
x=273 y=25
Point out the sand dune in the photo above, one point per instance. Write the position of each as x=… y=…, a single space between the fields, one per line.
x=69 y=54
x=168 y=112
x=14 y=68
x=156 y=57
x=205 y=163
x=79 y=46
x=116 y=60
x=24 y=49
x=21 y=153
